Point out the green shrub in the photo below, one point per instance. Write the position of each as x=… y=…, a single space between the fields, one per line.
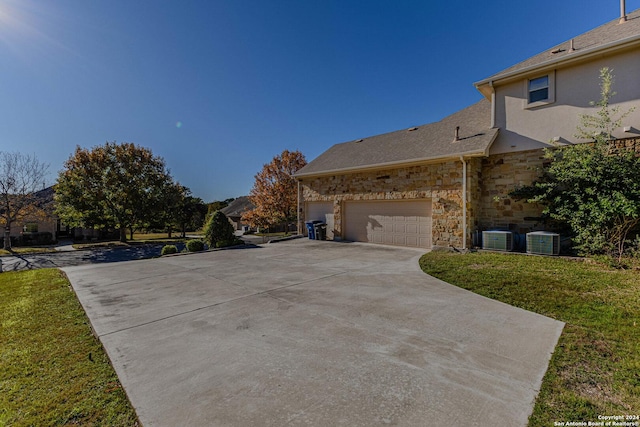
x=218 y=232
x=169 y=249
x=34 y=239
x=592 y=187
x=233 y=242
x=195 y=245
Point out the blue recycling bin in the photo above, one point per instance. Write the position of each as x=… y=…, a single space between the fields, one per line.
x=312 y=229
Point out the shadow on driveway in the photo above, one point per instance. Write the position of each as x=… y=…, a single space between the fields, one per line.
x=87 y=256
x=80 y=257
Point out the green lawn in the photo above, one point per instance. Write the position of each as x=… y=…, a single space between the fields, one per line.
x=274 y=234
x=138 y=239
x=53 y=371
x=595 y=369
x=25 y=250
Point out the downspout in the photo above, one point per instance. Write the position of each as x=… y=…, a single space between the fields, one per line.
x=493 y=105
x=464 y=202
x=298 y=210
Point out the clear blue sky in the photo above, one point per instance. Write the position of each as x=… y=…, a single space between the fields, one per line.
x=217 y=88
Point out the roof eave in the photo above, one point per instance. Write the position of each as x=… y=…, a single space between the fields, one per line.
x=578 y=56
x=486 y=89
x=412 y=162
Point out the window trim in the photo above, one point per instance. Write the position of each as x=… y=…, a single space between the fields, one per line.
x=551 y=95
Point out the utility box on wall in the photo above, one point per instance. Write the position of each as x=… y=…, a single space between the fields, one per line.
x=543 y=243
x=497 y=240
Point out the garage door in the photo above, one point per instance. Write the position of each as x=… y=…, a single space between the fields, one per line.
x=399 y=223
x=321 y=211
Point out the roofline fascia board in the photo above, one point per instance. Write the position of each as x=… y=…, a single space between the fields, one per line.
x=487 y=91
x=414 y=162
x=587 y=54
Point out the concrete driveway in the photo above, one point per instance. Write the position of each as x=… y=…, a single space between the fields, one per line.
x=312 y=333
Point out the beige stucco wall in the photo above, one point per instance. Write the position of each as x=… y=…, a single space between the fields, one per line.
x=46 y=225
x=524 y=129
x=50 y=225
x=441 y=183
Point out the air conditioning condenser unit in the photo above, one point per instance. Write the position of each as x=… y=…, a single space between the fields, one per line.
x=543 y=243
x=497 y=240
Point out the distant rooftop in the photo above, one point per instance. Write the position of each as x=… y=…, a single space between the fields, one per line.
x=237 y=207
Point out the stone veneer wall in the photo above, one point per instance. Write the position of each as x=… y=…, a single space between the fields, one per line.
x=441 y=183
x=489 y=182
x=500 y=174
x=620 y=145
x=474 y=196
x=503 y=172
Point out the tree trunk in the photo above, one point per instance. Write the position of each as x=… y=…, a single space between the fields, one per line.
x=7 y=239
x=123 y=234
x=131 y=233
x=169 y=232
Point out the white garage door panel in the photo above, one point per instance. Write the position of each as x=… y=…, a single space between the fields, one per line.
x=398 y=223
x=411 y=228
x=321 y=211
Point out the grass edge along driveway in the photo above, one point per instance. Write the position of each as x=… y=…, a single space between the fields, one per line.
x=595 y=369
x=53 y=371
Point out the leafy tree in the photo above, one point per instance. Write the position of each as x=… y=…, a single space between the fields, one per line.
x=591 y=187
x=167 y=215
x=179 y=211
x=274 y=193
x=218 y=231
x=190 y=213
x=218 y=205
x=113 y=185
x=21 y=176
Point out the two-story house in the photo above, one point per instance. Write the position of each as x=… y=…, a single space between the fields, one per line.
x=437 y=184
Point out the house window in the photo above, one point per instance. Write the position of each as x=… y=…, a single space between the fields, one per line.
x=30 y=227
x=539 y=91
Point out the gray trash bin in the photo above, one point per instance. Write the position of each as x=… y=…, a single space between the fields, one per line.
x=320 y=231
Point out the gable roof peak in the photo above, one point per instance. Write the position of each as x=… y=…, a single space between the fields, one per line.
x=614 y=34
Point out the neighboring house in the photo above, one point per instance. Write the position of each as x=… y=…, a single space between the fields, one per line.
x=40 y=218
x=436 y=185
x=44 y=220
x=235 y=209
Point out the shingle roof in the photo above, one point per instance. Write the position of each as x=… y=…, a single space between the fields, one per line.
x=238 y=206
x=41 y=199
x=605 y=36
x=423 y=143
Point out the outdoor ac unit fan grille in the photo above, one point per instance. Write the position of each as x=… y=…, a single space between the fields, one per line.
x=497 y=240
x=543 y=243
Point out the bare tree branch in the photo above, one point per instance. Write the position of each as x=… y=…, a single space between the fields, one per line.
x=21 y=176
